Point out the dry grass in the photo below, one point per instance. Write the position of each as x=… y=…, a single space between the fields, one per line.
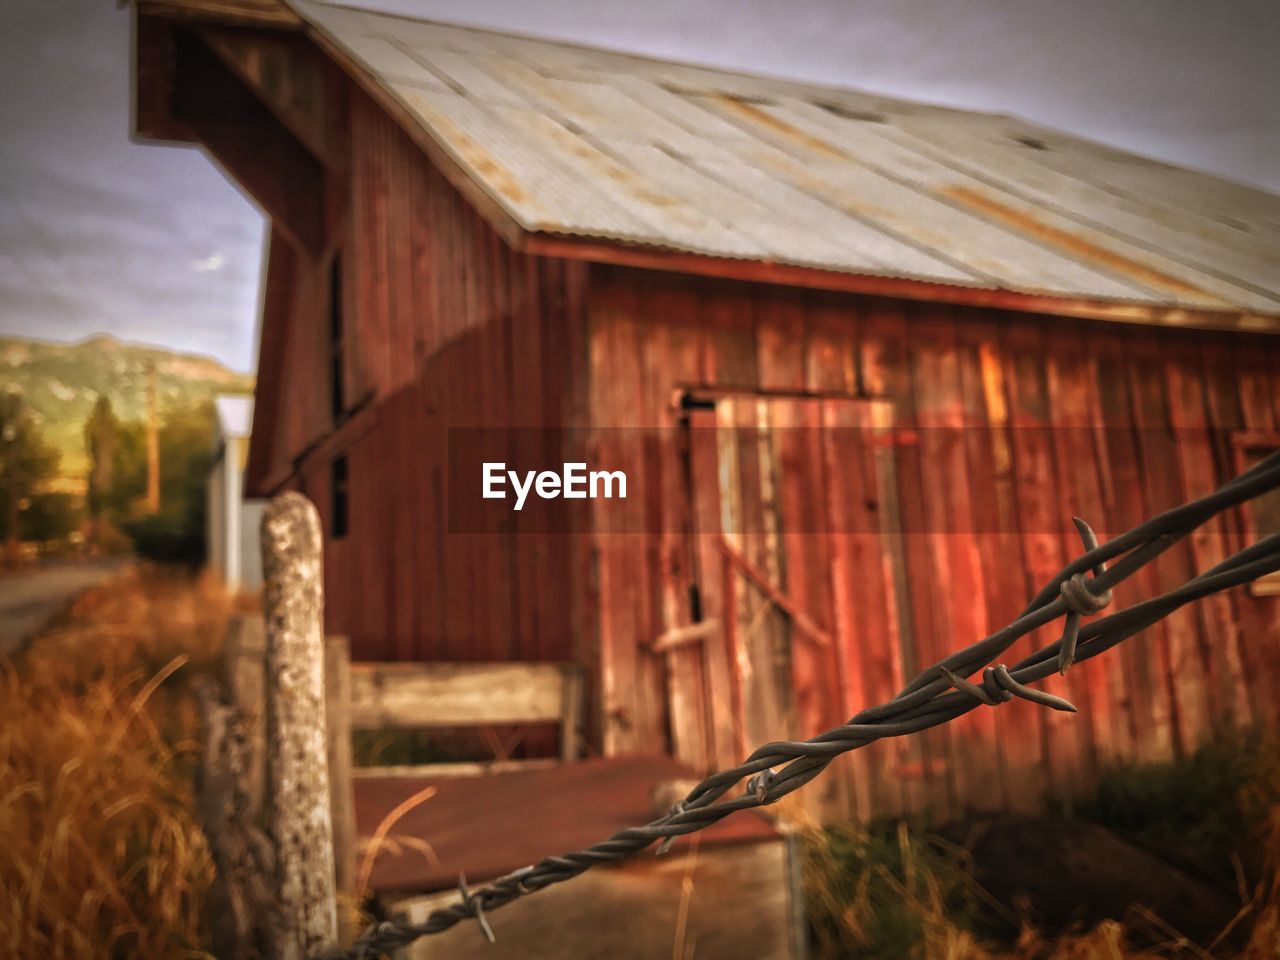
x=100 y=853
x=875 y=897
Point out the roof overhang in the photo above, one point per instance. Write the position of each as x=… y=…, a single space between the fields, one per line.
x=903 y=288
x=621 y=253
x=153 y=66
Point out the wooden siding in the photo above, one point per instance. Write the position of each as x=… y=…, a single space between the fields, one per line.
x=1076 y=417
x=445 y=327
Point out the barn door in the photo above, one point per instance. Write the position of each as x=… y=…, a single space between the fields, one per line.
x=797 y=557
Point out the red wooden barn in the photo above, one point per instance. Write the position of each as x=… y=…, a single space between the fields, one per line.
x=859 y=359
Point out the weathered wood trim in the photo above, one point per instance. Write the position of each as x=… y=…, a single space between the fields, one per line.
x=280 y=275
x=400 y=695
x=454 y=769
x=789 y=275
x=684 y=636
x=337 y=690
x=247 y=13
x=570 y=712
x=287 y=74
x=362 y=421
x=151 y=67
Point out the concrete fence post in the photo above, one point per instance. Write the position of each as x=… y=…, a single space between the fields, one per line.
x=297 y=764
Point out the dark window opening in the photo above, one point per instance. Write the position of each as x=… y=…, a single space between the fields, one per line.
x=339 y=520
x=337 y=395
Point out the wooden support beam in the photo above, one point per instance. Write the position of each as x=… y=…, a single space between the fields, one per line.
x=570 y=711
x=291 y=78
x=247 y=141
x=421 y=695
x=152 y=63
x=800 y=620
x=297 y=752
x=683 y=636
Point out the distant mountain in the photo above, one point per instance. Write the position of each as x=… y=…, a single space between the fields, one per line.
x=61 y=382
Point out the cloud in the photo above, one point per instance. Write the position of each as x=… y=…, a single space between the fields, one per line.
x=210 y=264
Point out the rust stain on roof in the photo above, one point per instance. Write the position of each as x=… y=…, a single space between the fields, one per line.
x=763 y=118
x=1071 y=242
x=632 y=182
x=493 y=173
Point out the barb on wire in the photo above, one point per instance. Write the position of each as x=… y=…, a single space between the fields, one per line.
x=940 y=693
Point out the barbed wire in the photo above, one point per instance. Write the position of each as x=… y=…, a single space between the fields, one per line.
x=939 y=694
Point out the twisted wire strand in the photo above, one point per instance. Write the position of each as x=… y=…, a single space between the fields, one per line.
x=939 y=693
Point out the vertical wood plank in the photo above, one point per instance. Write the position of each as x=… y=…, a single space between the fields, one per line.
x=632 y=680
x=715 y=590
x=885 y=372
x=780 y=341
x=1218 y=615
x=1149 y=703
x=973 y=761
x=865 y=627
x=1040 y=509
x=1071 y=378
x=997 y=534
x=1159 y=460
x=337 y=690
x=670 y=357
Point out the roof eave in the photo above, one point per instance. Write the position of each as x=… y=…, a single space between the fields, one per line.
x=905 y=288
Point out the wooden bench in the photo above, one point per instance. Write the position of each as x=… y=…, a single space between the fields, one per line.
x=733 y=891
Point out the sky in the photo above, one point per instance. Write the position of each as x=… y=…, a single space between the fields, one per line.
x=99 y=234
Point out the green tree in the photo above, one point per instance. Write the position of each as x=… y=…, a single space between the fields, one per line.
x=129 y=471
x=50 y=518
x=26 y=462
x=177 y=533
x=100 y=430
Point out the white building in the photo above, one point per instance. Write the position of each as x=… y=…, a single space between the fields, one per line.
x=233 y=521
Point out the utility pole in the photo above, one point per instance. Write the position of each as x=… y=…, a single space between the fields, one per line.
x=153 y=442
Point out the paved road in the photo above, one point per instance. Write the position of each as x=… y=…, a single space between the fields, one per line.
x=30 y=599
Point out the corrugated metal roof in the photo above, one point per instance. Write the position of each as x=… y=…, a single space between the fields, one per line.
x=591 y=143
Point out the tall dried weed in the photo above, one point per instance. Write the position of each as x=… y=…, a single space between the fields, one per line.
x=100 y=853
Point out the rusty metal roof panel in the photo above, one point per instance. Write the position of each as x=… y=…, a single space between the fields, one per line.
x=978 y=211
x=1200 y=241
x=576 y=141
x=515 y=169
